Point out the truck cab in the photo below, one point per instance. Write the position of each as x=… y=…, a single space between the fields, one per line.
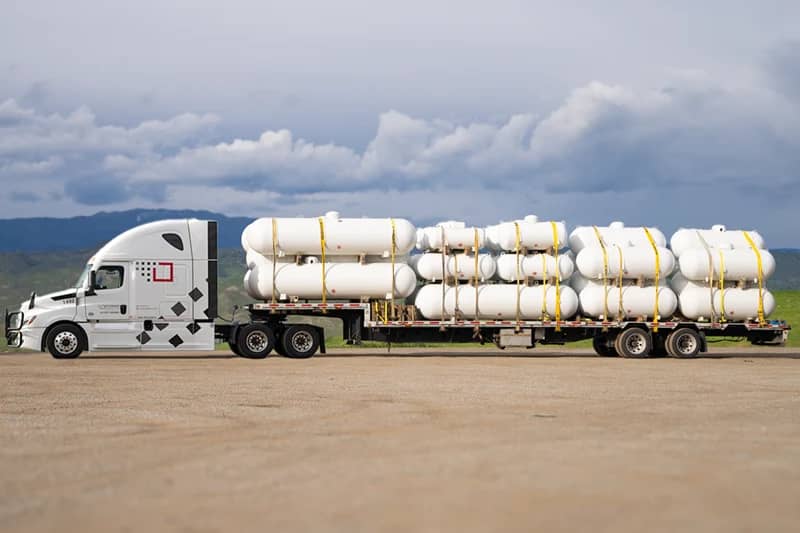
x=153 y=287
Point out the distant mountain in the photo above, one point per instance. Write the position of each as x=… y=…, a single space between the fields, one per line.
x=91 y=232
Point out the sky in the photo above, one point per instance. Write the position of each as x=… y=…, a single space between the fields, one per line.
x=670 y=114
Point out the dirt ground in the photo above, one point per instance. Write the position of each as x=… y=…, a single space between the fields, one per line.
x=420 y=440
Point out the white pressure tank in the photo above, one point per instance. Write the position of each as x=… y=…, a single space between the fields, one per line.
x=343 y=236
x=740 y=304
x=495 y=302
x=342 y=280
x=533 y=235
x=533 y=266
x=717 y=237
x=636 y=261
x=636 y=301
x=428 y=266
x=455 y=235
x=614 y=233
x=740 y=263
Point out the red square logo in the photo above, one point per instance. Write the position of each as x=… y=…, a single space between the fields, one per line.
x=164 y=272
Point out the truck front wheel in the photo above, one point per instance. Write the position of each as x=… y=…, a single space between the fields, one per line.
x=65 y=341
x=300 y=341
x=255 y=341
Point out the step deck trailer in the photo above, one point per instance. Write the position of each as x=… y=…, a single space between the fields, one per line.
x=359 y=323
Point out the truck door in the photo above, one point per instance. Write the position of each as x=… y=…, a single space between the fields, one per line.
x=110 y=324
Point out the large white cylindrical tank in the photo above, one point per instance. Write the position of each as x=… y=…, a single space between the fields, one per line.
x=428 y=266
x=636 y=301
x=533 y=235
x=343 y=236
x=533 y=266
x=695 y=302
x=342 y=281
x=740 y=263
x=454 y=235
x=637 y=261
x=495 y=302
x=614 y=233
x=717 y=237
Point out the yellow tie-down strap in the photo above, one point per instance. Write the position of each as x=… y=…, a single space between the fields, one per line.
x=558 y=276
x=752 y=244
x=657 y=274
x=605 y=272
x=322 y=256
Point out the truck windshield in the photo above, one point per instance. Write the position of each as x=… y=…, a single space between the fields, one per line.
x=82 y=280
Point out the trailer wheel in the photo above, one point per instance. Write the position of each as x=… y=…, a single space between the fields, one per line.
x=234 y=348
x=634 y=343
x=255 y=341
x=300 y=341
x=602 y=347
x=65 y=341
x=684 y=343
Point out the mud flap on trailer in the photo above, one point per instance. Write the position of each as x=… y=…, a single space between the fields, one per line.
x=321 y=336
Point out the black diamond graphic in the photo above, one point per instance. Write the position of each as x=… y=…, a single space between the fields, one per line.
x=160 y=325
x=193 y=327
x=175 y=341
x=205 y=312
x=195 y=294
x=143 y=337
x=178 y=309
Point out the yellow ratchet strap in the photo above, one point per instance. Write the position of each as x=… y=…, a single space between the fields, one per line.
x=322 y=246
x=620 y=309
x=444 y=269
x=605 y=271
x=394 y=251
x=710 y=274
x=558 y=276
x=657 y=273
x=476 y=246
x=721 y=286
x=519 y=276
x=274 y=258
x=761 y=320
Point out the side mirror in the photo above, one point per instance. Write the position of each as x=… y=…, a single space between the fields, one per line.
x=92 y=283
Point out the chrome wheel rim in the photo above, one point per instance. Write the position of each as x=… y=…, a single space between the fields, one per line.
x=257 y=341
x=66 y=342
x=686 y=344
x=636 y=344
x=302 y=341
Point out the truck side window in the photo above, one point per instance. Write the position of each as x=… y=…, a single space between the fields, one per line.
x=174 y=240
x=109 y=277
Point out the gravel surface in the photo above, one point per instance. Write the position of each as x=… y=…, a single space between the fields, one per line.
x=423 y=440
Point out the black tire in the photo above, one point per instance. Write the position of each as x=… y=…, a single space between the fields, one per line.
x=234 y=348
x=300 y=341
x=684 y=343
x=659 y=346
x=255 y=341
x=603 y=347
x=65 y=341
x=634 y=343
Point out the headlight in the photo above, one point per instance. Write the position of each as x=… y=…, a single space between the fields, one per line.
x=15 y=320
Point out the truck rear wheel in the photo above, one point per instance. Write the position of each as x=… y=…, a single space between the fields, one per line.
x=684 y=343
x=300 y=341
x=65 y=341
x=634 y=343
x=255 y=341
x=603 y=346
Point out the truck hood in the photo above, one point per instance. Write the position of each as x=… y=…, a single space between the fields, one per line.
x=50 y=300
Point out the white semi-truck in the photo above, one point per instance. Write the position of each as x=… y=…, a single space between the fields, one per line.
x=154 y=288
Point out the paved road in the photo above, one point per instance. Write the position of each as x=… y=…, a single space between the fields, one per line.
x=419 y=440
